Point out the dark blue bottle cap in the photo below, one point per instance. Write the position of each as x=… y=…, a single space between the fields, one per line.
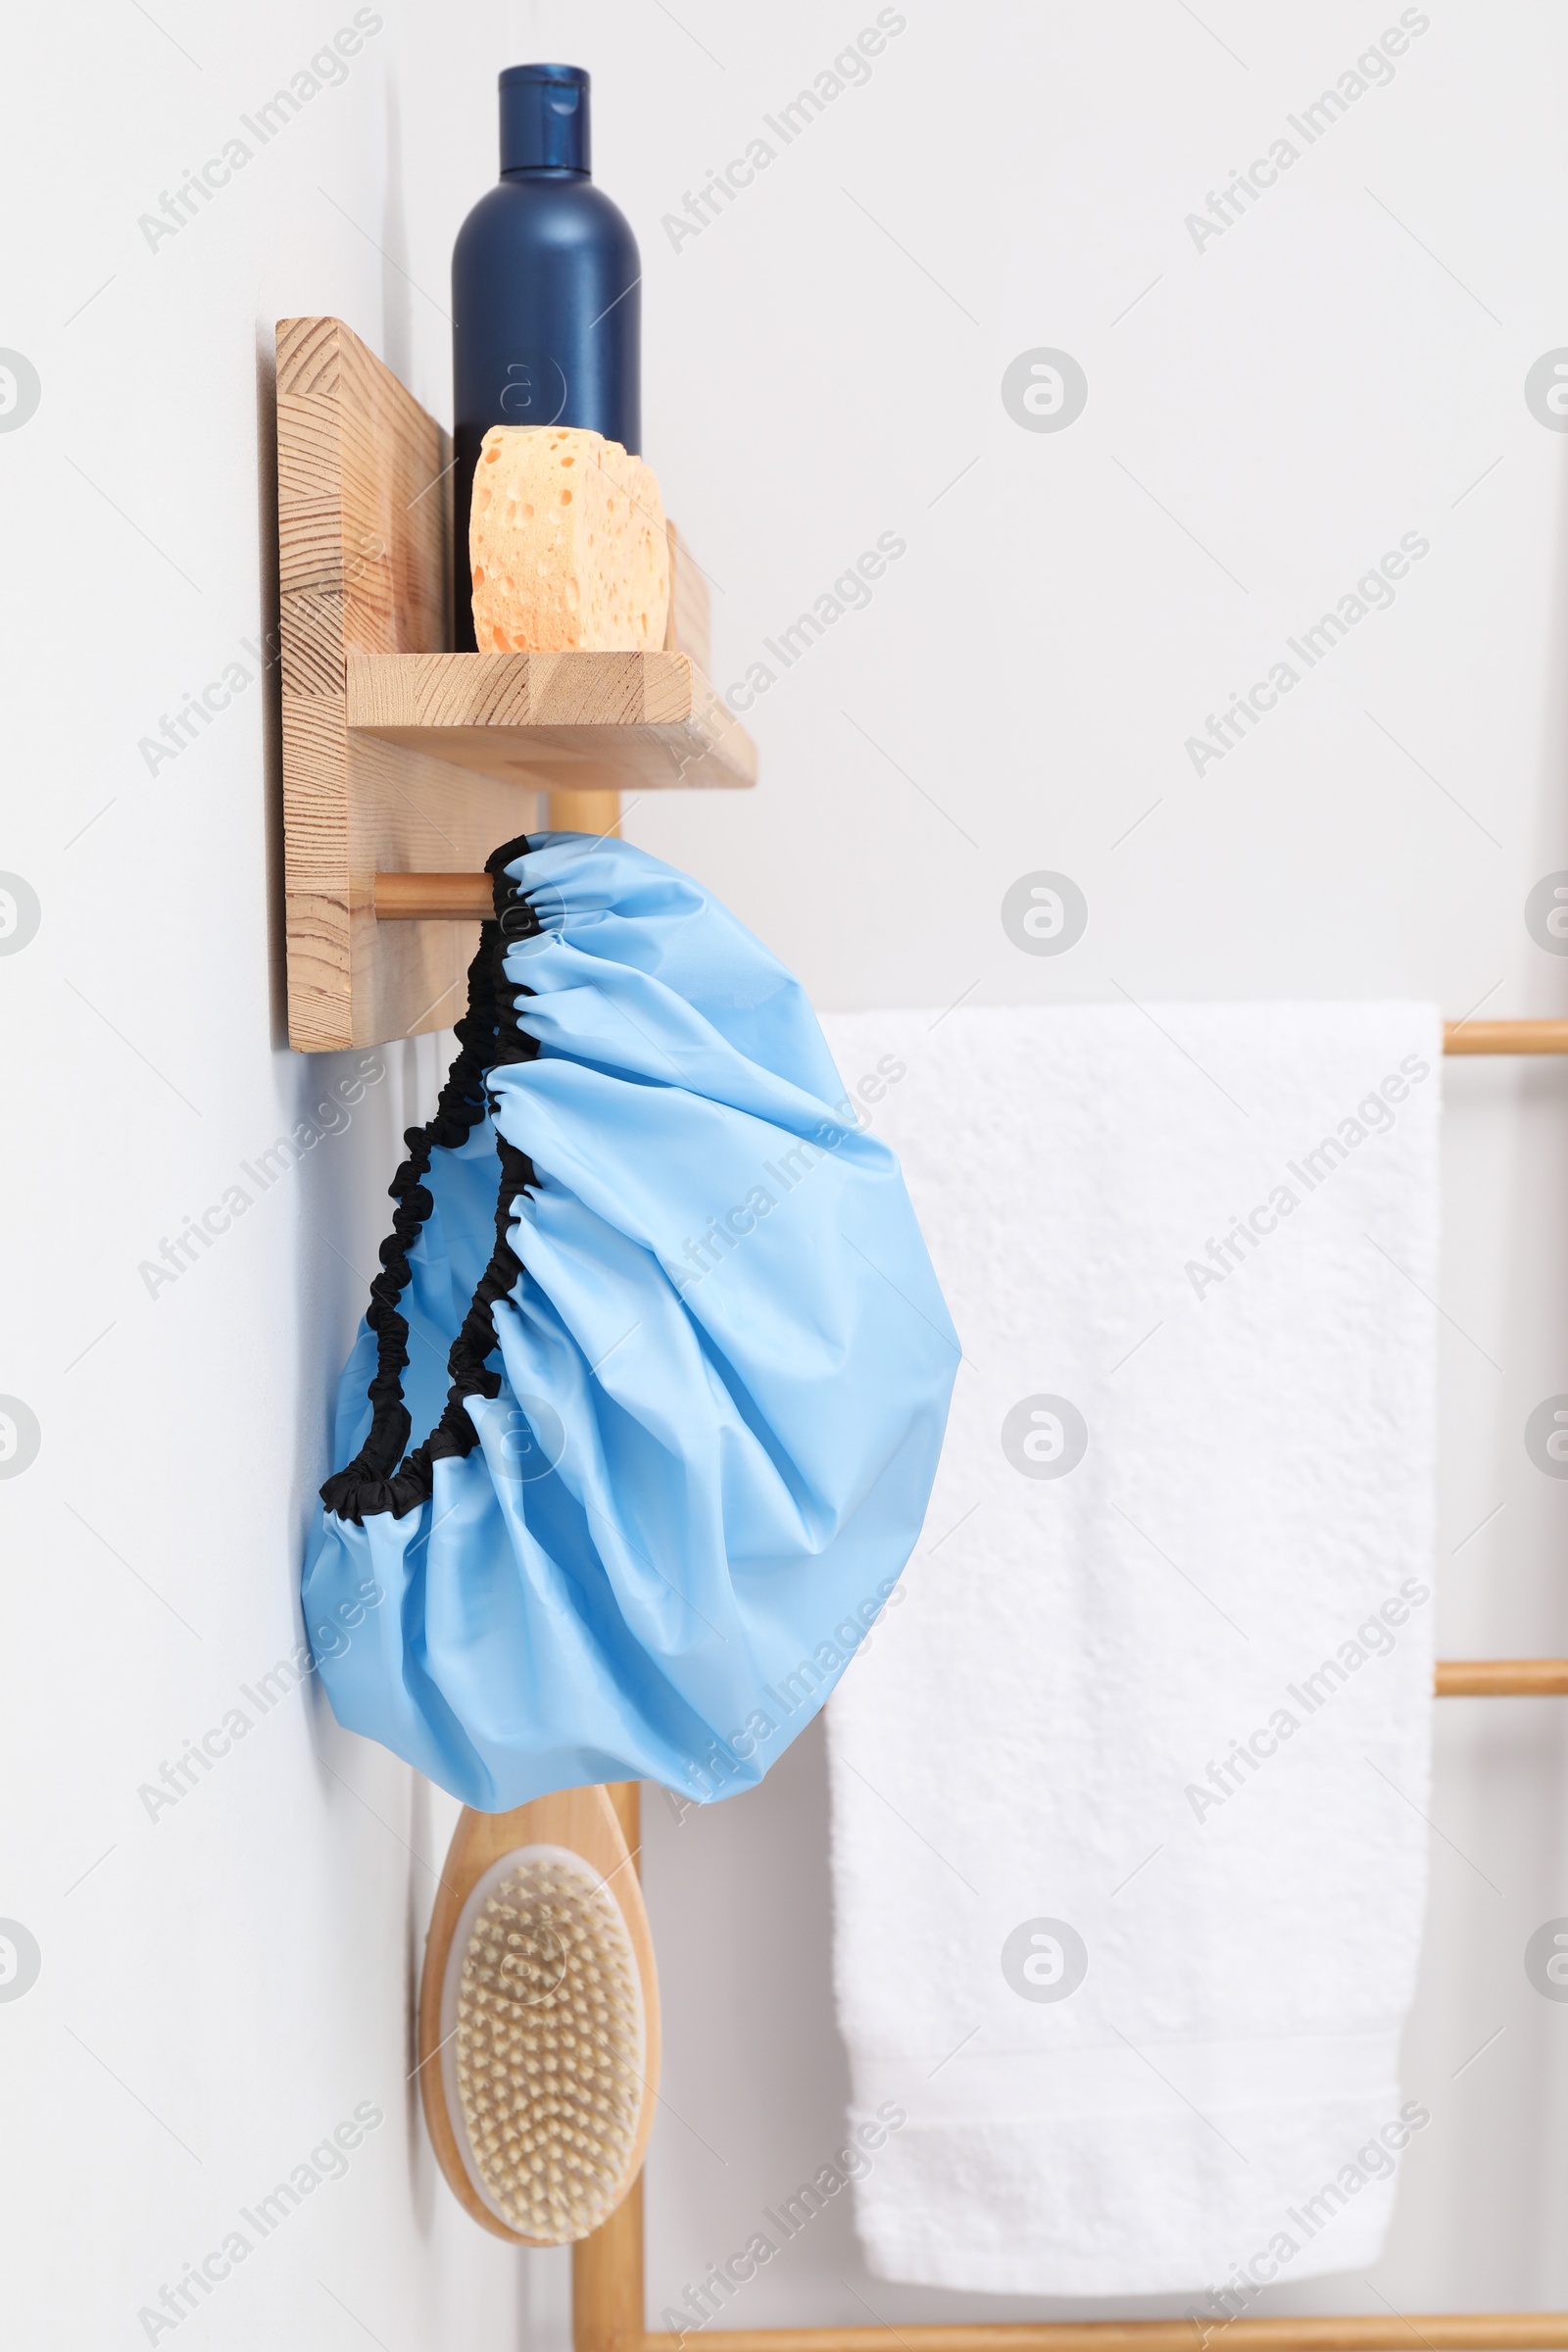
x=544 y=119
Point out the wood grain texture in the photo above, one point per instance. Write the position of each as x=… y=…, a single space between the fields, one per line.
x=399 y=756
x=365 y=521
x=587 y=1822
x=583 y=721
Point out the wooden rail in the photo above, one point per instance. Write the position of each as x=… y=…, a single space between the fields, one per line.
x=1502 y=1678
x=433 y=898
x=466 y=898
x=1505 y=1037
x=1378 y=2332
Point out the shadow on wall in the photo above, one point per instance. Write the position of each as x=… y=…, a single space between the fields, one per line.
x=396 y=341
x=271 y=777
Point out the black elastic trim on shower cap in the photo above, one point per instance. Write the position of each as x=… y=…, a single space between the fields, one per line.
x=489 y=1038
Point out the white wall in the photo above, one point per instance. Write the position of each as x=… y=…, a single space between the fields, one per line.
x=1268 y=414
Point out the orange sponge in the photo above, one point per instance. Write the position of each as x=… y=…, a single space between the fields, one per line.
x=568 y=545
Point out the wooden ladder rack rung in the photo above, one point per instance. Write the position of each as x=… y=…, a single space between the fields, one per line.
x=1380 y=2331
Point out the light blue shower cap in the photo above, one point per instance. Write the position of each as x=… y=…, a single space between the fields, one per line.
x=686 y=1383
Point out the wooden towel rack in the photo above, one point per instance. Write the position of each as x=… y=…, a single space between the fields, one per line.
x=608 y=2293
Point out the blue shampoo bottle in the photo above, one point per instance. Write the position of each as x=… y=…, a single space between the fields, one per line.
x=546 y=299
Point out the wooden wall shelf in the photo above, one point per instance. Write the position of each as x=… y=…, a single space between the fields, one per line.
x=594 y=722
x=401 y=757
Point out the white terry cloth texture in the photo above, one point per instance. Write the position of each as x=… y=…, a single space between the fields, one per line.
x=1128 y=1783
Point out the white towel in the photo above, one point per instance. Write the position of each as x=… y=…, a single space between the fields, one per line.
x=1129 y=1783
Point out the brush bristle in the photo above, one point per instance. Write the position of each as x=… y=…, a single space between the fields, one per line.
x=548 y=2047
